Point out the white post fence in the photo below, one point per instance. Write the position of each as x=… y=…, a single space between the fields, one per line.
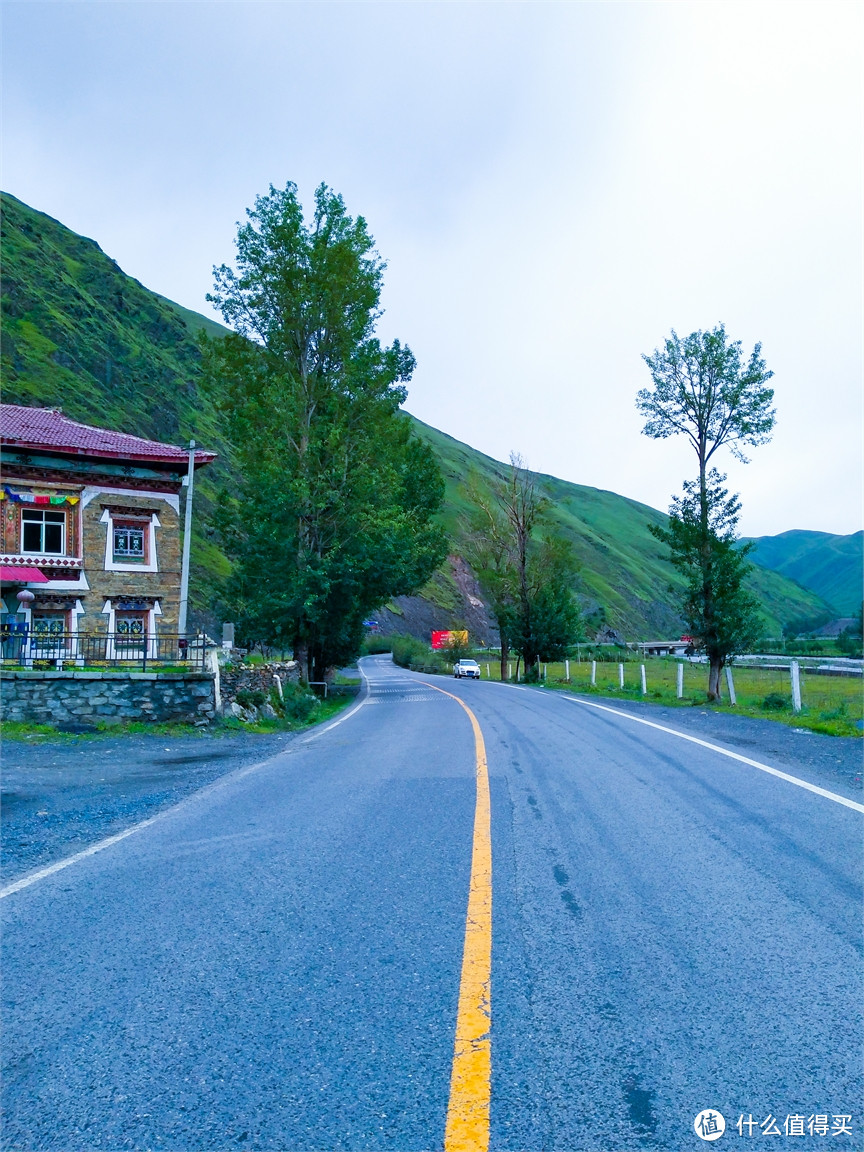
x=567 y=671
x=795 y=677
x=211 y=663
x=509 y=671
x=644 y=685
x=488 y=673
x=620 y=675
x=730 y=684
x=679 y=685
x=594 y=673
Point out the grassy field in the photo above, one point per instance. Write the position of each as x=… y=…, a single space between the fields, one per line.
x=830 y=704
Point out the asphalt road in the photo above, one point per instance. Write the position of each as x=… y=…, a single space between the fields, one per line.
x=62 y=794
x=275 y=962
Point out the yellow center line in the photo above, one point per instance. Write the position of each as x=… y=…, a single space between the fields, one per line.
x=467 y=1128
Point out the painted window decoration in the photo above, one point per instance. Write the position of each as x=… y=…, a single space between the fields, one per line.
x=130 y=540
x=130 y=628
x=48 y=634
x=43 y=532
x=48 y=623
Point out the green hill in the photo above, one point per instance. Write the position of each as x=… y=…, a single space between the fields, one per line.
x=623 y=568
x=831 y=566
x=80 y=334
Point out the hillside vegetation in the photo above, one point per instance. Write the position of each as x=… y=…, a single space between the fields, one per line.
x=80 y=334
x=624 y=577
x=832 y=566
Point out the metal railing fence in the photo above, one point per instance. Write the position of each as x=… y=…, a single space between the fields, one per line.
x=24 y=648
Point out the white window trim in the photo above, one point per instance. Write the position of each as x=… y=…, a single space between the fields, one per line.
x=110 y=611
x=79 y=585
x=91 y=492
x=111 y=565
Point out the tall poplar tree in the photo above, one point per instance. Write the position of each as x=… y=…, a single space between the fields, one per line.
x=336 y=510
x=705 y=390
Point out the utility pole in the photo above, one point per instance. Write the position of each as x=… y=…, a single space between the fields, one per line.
x=187 y=541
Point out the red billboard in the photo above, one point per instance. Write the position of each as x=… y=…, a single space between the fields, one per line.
x=447 y=639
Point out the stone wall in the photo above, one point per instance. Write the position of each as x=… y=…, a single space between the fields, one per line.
x=108 y=697
x=241 y=677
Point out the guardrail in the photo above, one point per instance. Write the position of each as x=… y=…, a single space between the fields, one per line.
x=23 y=648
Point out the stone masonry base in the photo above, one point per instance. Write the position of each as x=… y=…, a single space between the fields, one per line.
x=108 y=697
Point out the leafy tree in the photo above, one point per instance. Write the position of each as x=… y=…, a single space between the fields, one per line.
x=526 y=570
x=556 y=622
x=722 y=616
x=335 y=513
x=458 y=646
x=706 y=391
x=703 y=390
x=849 y=642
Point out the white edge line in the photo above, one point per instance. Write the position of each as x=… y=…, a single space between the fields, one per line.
x=50 y=869
x=41 y=873
x=347 y=715
x=724 y=752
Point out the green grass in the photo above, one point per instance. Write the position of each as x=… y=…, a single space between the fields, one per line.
x=13 y=730
x=831 y=705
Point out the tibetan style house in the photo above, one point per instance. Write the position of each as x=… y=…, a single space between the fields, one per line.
x=91 y=527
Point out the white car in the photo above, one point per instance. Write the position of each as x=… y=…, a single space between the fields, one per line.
x=469 y=668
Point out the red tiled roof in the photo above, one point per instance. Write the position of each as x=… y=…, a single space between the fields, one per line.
x=48 y=428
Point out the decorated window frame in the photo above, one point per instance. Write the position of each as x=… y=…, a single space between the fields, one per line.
x=130 y=540
x=124 y=636
x=21 y=505
x=125 y=524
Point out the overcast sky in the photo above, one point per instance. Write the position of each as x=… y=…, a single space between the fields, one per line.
x=554 y=187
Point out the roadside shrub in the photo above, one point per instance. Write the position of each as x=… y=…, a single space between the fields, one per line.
x=249 y=698
x=299 y=705
x=848 y=644
x=376 y=645
x=409 y=652
x=408 y=649
x=776 y=702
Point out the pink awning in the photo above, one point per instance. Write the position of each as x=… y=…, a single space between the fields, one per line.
x=14 y=575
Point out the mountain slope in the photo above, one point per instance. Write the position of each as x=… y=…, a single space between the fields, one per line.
x=624 y=570
x=831 y=566
x=80 y=334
